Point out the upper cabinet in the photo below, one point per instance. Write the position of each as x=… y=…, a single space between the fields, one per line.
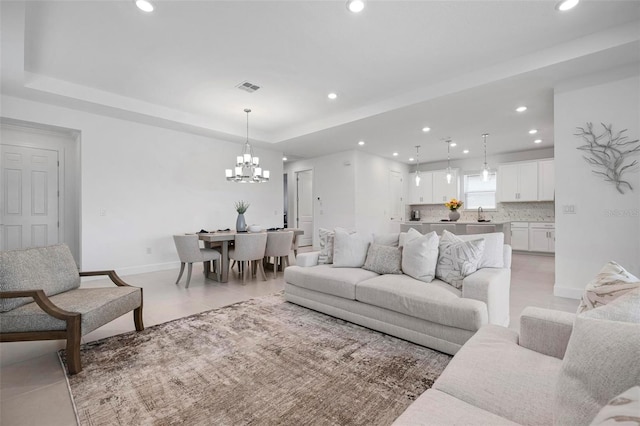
x=433 y=188
x=546 y=180
x=526 y=181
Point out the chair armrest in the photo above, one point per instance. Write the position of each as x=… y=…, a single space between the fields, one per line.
x=491 y=286
x=307 y=259
x=43 y=301
x=112 y=275
x=546 y=331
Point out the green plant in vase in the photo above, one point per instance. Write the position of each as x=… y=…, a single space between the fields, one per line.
x=241 y=208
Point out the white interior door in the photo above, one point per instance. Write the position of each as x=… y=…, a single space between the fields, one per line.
x=29 y=197
x=304 y=206
x=395 y=196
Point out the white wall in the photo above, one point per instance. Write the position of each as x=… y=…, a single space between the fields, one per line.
x=351 y=190
x=153 y=183
x=606 y=225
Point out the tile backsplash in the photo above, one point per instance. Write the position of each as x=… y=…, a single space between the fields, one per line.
x=505 y=212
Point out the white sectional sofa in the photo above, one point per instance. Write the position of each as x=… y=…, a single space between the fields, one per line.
x=433 y=314
x=561 y=369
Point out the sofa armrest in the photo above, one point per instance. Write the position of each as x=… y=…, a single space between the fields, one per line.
x=546 y=331
x=506 y=255
x=43 y=302
x=307 y=259
x=491 y=286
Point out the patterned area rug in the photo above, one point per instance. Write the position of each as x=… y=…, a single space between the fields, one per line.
x=260 y=362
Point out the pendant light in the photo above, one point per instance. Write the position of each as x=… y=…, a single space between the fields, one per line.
x=448 y=175
x=485 y=168
x=417 y=161
x=247 y=168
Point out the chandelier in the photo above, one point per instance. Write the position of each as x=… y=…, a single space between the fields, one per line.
x=485 y=167
x=247 y=168
x=417 y=161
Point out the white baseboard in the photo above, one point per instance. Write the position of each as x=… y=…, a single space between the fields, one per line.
x=141 y=269
x=568 y=292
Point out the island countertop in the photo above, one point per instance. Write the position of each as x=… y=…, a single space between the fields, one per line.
x=460 y=227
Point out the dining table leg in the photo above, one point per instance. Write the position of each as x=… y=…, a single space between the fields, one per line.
x=224 y=264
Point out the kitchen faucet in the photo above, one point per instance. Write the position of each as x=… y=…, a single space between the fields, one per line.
x=480 y=214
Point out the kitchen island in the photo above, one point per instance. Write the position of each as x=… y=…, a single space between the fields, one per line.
x=460 y=227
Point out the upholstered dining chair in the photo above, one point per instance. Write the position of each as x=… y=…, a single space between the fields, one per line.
x=189 y=251
x=279 y=247
x=247 y=250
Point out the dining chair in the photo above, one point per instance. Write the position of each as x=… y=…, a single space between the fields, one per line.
x=189 y=251
x=248 y=250
x=278 y=247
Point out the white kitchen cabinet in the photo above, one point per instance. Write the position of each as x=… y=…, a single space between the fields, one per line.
x=542 y=237
x=546 y=180
x=422 y=194
x=520 y=236
x=443 y=191
x=518 y=182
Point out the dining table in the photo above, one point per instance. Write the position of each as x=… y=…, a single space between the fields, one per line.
x=223 y=239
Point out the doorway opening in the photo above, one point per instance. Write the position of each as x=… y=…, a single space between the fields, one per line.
x=304 y=206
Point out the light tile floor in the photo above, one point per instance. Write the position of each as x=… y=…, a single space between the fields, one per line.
x=33 y=388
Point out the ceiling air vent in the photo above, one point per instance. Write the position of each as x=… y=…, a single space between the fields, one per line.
x=248 y=87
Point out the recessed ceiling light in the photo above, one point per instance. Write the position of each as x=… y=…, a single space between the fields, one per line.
x=466 y=151
x=332 y=96
x=284 y=158
x=537 y=141
x=395 y=154
x=521 y=108
x=533 y=131
x=144 y=5
x=411 y=159
x=565 y=5
x=452 y=144
x=355 y=6
x=426 y=129
x=361 y=143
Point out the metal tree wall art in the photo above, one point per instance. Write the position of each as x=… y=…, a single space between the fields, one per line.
x=608 y=152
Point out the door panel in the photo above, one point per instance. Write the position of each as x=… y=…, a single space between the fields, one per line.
x=396 y=207
x=29 y=197
x=304 y=207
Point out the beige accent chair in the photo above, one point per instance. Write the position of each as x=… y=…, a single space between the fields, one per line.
x=248 y=250
x=279 y=247
x=189 y=251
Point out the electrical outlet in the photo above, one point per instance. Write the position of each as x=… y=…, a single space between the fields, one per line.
x=102 y=212
x=569 y=209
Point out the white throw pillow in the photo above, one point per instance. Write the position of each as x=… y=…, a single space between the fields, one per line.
x=457 y=259
x=349 y=250
x=622 y=410
x=611 y=282
x=420 y=255
x=493 y=253
x=601 y=360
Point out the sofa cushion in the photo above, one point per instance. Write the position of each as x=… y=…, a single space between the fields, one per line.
x=493 y=253
x=435 y=301
x=438 y=408
x=420 y=255
x=623 y=408
x=326 y=237
x=493 y=373
x=51 y=269
x=594 y=370
x=339 y=282
x=457 y=258
x=98 y=306
x=611 y=282
x=383 y=259
x=349 y=250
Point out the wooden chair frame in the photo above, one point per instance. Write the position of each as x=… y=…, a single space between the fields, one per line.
x=73 y=333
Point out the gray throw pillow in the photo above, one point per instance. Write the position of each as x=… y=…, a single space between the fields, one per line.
x=383 y=259
x=457 y=259
x=601 y=360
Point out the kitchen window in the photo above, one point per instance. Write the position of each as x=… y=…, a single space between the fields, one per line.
x=479 y=193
